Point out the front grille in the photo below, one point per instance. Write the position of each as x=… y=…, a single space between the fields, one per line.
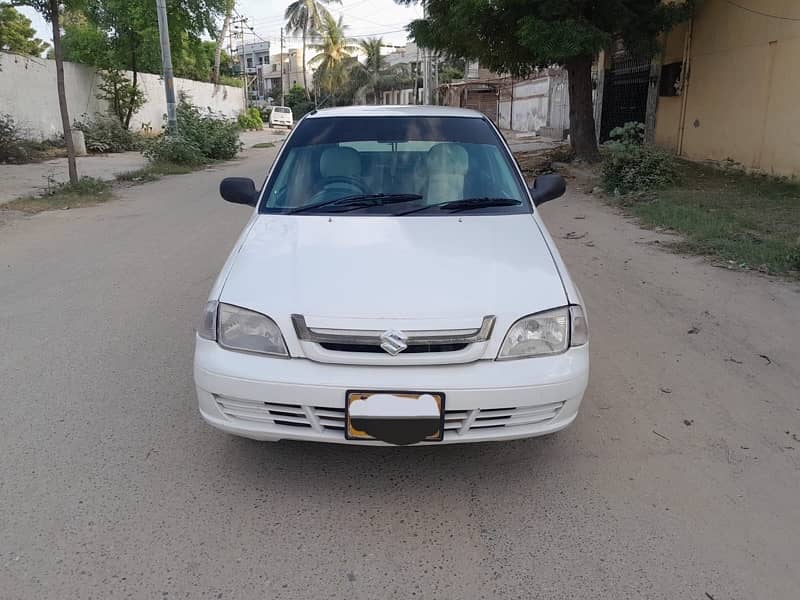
x=456 y=422
x=417 y=349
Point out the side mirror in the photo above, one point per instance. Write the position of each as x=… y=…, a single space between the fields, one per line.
x=547 y=187
x=239 y=190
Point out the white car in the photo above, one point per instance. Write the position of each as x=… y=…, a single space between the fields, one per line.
x=281 y=115
x=394 y=285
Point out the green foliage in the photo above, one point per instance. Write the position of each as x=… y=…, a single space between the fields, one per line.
x=748 y=220
x=516 y=37
x=176 y=149
x=630 y=134
x=13 y=147
x=104 y=133
x=17 y=34
x=86 y=191
x=297 y=100
x=202 y=137
x=334 y=56
x=230 y=80
x=251 y=119
x=631 y=168
x=16 y=148
x=123 y=35
x=123 y=97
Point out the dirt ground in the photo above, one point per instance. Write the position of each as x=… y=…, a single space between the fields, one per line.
x=680 y=479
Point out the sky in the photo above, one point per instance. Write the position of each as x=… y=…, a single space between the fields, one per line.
x=365 y=18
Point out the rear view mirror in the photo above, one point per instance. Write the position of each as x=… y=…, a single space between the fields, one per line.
x=547 y=187
x=239 y=190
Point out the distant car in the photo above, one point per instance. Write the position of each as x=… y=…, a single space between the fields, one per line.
x=394 y=285
x=281 y=115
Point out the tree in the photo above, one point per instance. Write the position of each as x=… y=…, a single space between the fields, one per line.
x=335 y=52
x=226 y=21
x=305 y=17
x=122 y=35
x=517 y=36
x=51 y=11
x=373 y=64
x=16 y=33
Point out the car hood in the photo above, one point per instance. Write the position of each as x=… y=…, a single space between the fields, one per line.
x=364 y=269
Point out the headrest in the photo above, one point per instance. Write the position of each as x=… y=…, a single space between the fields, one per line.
x=449 y=158
x=340 y=162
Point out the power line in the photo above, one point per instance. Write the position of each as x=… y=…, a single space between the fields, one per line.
x=762 y=14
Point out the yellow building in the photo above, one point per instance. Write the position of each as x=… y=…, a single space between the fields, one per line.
x=737 y=95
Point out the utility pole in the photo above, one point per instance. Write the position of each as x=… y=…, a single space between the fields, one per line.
x=166 y=65
x=427 y=82
x=283 y=92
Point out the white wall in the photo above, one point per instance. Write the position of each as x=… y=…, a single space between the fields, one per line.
x=28 y=93
x=531 y=102
x=538 y=103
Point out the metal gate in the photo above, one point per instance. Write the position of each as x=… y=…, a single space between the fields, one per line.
x=625 y=91
x=483 y=99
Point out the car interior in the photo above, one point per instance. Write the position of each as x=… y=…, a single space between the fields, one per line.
x=439 y=171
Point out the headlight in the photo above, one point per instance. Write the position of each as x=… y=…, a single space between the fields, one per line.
x=242 y=329
x=537 y=335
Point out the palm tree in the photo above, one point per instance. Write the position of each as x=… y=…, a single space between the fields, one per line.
x=305 y=17
x=373 y=65
x=335 y=51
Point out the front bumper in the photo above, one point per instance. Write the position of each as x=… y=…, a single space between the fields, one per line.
x=267 y=398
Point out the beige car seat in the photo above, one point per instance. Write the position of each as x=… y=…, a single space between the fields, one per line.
x=447 y=165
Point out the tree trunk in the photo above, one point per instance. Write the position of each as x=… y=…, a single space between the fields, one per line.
x=305 y=77
x=134 y=81
x=581 y=111
x=221 y=40
x=58 y=53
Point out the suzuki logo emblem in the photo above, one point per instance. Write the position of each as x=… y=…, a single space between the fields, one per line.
x=394 y=342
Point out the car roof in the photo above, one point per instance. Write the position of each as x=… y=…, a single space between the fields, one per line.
x=396 y=111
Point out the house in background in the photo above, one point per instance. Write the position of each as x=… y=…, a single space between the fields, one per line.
x=727 y=87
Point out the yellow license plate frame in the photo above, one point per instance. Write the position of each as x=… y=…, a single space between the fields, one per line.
x=351 y=433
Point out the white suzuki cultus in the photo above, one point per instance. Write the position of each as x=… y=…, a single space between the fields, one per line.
x=395 y=285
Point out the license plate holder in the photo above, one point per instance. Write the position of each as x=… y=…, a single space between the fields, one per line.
x=395 y=417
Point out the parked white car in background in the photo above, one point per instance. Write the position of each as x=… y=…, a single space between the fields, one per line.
x=394 y=285
x=281 y=115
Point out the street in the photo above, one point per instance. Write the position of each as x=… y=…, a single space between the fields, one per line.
x=680 y=478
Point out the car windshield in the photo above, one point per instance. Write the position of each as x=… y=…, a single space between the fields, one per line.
x=420 y=166
x=282 y=109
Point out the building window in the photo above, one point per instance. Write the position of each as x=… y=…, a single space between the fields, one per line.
x=671 y=79
x=249 y=63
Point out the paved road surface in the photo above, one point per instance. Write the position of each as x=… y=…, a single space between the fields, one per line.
x=680 y=479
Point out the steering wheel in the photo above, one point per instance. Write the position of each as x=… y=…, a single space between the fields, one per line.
x=351 y=181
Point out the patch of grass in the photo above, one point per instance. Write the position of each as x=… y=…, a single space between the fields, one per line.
x=154 y=172
x=264 y=145
x=750 y=220
x=87 y=192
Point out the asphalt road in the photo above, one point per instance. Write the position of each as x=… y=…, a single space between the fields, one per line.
x=680 y=478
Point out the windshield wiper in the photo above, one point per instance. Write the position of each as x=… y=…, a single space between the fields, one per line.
x=465 y=204
x=356 y=201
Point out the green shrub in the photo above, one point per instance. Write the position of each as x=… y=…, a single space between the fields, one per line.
x=104 y=133
x=635 y=168
x=216 y=136
x=13 y=147
x=176 y=149
x=265 y=111
x=202 y=137
x=632 y=133
x=302 y=108
x=251 y=119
